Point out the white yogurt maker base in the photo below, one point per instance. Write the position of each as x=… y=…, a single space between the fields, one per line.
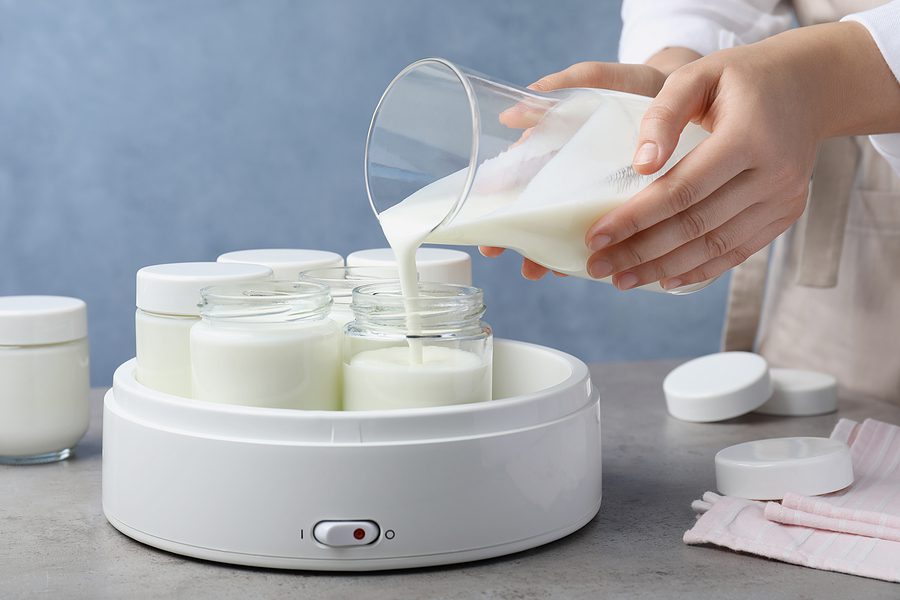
x=428 y=486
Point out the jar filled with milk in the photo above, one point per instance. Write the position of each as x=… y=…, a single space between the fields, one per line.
x=455 y=157
x=44 y=373
x=427 y=350
x=268 y=344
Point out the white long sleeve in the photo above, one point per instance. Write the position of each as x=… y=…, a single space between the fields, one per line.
x=701 y=25
x=705 y=26
x=883 y=24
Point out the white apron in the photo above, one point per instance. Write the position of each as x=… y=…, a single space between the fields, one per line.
x=829 y=298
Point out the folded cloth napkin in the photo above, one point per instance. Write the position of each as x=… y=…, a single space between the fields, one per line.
x=855 y=530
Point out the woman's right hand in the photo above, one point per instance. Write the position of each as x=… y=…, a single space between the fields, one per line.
x=636 y=79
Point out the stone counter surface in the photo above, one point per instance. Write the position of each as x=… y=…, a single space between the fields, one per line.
x=55 y=542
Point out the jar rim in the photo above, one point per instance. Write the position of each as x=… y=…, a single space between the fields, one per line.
x=272 y=301
x=341 y=281
x=390 y=292
x=439 y=307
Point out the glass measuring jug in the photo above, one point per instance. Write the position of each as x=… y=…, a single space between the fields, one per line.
x=456 y=157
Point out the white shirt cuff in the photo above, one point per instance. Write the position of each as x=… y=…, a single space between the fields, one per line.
x=883 y=24
x=703 y=26
x=641 y=41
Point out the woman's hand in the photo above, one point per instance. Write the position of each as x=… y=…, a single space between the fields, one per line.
x=768 y=106
x=636 y=79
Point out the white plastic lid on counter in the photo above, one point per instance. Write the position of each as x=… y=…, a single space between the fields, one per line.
x=174 y=288
x=799 y=393
x=436 y=265
x=717 y=387
x=286 y=263
x=36 y=320
x=768 y=469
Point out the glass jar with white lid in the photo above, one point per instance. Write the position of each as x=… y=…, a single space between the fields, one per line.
x=286 y=263
x=442 y=265
x=45 y=377
x=168 y=305
x=267 y=344
x=415 y=352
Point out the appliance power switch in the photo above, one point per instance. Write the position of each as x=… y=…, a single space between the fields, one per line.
x=339 y=534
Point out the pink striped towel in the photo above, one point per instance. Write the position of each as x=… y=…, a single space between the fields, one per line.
x=855 y=530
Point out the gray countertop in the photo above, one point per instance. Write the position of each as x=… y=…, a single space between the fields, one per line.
x=57 y=544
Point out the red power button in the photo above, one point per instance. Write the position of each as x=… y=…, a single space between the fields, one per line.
x=346 y=533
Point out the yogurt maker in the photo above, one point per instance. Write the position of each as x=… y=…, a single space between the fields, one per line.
x=358 y=491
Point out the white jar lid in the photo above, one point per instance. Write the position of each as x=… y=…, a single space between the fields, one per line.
x=798 y=393
x=286 y=263
x=768 y=469
x=33 y=320
x=174 y=289
x=436 y=265
x=717 y=387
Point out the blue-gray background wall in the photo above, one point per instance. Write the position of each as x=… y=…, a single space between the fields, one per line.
x=135 y=133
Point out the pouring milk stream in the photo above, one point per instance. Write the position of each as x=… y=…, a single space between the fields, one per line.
x=540 y=196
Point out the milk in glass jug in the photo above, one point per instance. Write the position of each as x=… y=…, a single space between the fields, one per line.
x=455 y=157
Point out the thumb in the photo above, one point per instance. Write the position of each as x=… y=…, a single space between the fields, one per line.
x=683 y=97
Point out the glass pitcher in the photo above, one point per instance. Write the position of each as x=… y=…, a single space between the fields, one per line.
x=464 y=159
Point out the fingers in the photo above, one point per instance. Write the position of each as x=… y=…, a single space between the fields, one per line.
x=635 y=79
x=530 y=269
x=718 y=265
x=664 y=237
x=731 y=239
x=682 y=98
x=533 y=271
x=702 y=171
x=490 y=251
x=525 y=114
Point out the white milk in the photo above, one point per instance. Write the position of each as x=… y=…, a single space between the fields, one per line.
x=163 y=348
x=387 y=379
x=168 y=298
x=44 y=377
x=277 y=365
x=44 y=402
x=541 y=195
x=440 y=265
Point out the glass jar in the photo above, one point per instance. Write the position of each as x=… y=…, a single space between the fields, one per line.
x=415 y=352
x=341 y=281
x=168 y=299
x=268 y=344
x=45 y=375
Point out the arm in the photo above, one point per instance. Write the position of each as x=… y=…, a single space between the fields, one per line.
x=703 y=27
x=768 y=106
x=664 y=35
x=883 y=24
